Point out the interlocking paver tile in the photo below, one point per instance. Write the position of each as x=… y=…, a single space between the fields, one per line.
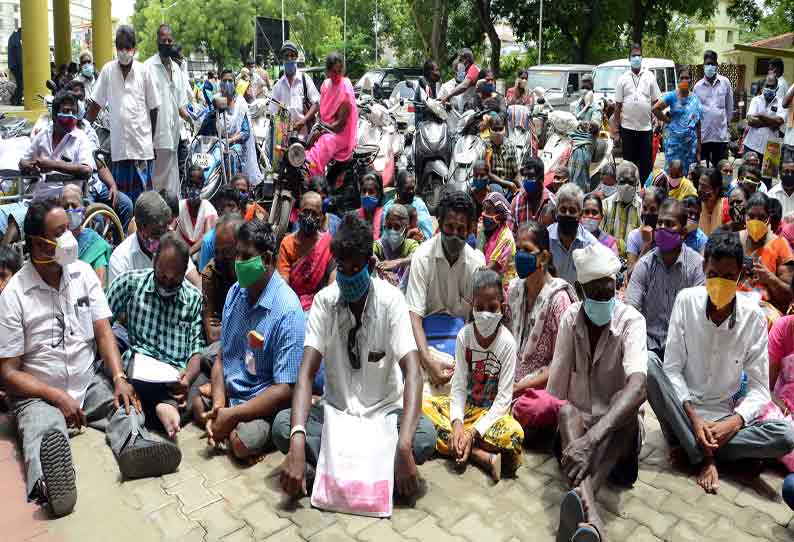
x=778 y=510
x=238 y=492
x=699 y=518
x=172 y=523
x=145 y=495
x=645 y=515
x=428 y=529
x=472 y=527
x=192 y=494
x=246 y=534
x=263 y=519
x=217 y=520
x=382 y=531
x=334 y=533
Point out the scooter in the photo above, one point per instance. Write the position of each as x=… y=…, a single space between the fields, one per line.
x=261 y=126
x=431 y=153
x=520 y=131
x=469 y=146
x=377 y=126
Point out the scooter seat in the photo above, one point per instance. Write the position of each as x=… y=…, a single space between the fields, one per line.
x=364 y=151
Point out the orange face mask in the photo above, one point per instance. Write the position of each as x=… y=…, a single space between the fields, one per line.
x=757 y=229
x=721 y=291
x=683 y=85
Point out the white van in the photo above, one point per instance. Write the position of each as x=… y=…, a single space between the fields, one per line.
x=606 y=75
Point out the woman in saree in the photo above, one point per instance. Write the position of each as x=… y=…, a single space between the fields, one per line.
x=394 y=249
x=338 y=111
x=304 y=259
x=686 y=112
x=536 y=301
x=92 y=248
x=495 y=237
x=588 y=114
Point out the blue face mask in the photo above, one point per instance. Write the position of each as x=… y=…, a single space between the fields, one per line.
x=526 y=263
x=227 y=88
x=194 y=194
x=489 y=223
x=489 y=88
x=290 y=68
x=769 y=94
x=369 y=203
x=326 y=204
x=353 y=287
x=636 y=62
x=530 y=185
x=599 y=312
x=710 y=70
x=243 y=197
x=479 y=183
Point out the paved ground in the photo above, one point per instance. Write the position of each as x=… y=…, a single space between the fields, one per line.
x=211 y=498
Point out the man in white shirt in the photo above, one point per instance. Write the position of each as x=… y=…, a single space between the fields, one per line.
x=171 y=87
x=440 y=279
x=764 y=116
x=125 y=86
x=716 y=337
x=152 y=218
x=788 y=141
x=599 y=366
x=360 y=326
x=784 y=191
x=62 y=147
x=777 y=68
x=87 y=73
x=296 y=92
x=716 y=97
x=635 y=93
x=55 y=322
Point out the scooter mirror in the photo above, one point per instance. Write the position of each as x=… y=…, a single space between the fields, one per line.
x=220 y=102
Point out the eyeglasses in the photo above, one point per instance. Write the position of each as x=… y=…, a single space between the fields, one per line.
x=61 y=324
x=352 y=348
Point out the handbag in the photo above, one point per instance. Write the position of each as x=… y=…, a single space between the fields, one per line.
x=355 y=470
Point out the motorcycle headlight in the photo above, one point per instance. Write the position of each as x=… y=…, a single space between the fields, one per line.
x=296 y=155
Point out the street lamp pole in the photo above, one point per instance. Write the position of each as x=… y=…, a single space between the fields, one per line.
x=540 y=32
x=376 y=31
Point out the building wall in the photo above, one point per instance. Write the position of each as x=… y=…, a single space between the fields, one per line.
x=749 y=60
x=723 y=33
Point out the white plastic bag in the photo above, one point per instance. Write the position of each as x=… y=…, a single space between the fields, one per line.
x=355 y=470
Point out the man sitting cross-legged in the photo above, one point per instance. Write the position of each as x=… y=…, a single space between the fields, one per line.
x=599 y=365
x=715 y=337
x=163 y=322
x=261 y=348
x=55 y=319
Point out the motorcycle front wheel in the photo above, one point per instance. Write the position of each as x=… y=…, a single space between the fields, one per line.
x=434 y=185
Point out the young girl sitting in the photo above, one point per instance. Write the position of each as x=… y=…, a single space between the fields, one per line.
x=473 y=422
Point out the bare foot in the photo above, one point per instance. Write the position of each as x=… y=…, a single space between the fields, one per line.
x=591 y=514
x=708 y=478
x=496 y=467
x=169 y=417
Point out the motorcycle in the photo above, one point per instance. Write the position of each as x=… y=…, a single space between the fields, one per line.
x=521 y=132
x=469 y=146
x=260 y=126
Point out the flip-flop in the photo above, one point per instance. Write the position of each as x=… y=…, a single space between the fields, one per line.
x=587 y=533
x=571 y=515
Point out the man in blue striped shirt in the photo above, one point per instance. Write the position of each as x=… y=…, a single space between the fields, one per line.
x=262 y=336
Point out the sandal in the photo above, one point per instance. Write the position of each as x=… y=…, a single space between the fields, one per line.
x=571 y=515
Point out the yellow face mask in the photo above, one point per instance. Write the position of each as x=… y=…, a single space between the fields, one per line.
x=721 y=291
x=757 y=229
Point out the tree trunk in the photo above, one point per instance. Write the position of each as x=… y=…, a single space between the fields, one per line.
x=486 y=23
x=434 y=34
x=638 y=21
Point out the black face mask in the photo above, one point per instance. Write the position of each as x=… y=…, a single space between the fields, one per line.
x=650 y=220
x=165 y=51
x=567 y=224
x=787 y=179
x=407 y=197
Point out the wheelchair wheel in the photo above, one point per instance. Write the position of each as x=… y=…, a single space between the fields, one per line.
x=103 y=220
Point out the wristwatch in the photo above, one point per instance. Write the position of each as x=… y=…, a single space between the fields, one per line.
x=297 y=429
x=120 y=375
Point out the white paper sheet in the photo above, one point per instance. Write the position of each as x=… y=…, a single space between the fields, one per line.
x=148 y=369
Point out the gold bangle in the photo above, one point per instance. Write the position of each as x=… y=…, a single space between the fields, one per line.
x=120 y=375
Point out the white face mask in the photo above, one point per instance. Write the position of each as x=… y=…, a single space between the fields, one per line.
x=65 y=250
x=125 y=57
x=626 y=193
x=487 y=322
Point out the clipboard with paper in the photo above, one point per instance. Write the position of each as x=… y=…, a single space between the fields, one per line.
x=148 y=369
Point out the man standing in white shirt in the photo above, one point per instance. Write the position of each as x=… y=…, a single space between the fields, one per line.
x=87 y=72
x=777 y=68
x=635 y=93
x=125 y=86
x=360 y=326
x=764 y=116
x=170 y=85
x=440 y=278
x=297 y=93
x=716 y=96
x=62 y=147
x=714 y=338
x=55 y=322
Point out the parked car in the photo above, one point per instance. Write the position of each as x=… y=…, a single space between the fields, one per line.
x=605 y=76
x=561 y=82
x=386 y=79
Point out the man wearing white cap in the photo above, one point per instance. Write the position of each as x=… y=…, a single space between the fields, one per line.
x=599 y=367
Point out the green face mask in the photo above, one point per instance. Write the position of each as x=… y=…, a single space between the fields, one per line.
x=249 y=271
